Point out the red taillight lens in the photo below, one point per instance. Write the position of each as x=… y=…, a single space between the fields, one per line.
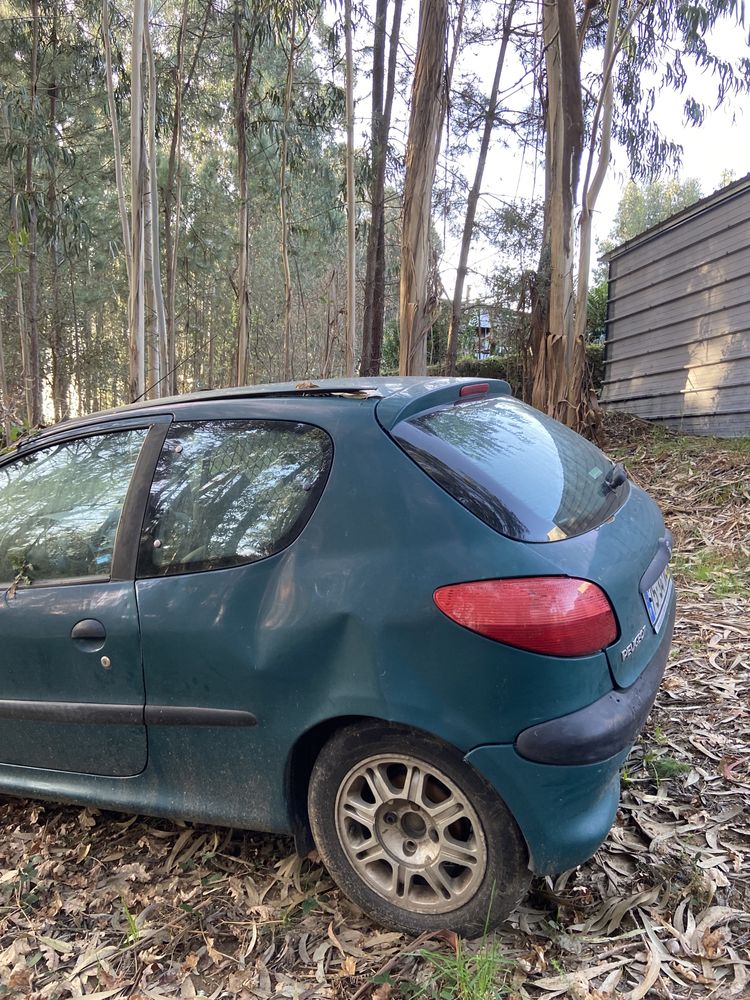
x=557 y=615
x=474 y=390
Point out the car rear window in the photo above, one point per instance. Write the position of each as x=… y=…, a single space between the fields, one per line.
x=524 y=474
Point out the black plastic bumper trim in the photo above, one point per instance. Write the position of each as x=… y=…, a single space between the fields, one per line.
x=178 y=715
x=605 y=727
x=72 y=711
x=90 y=713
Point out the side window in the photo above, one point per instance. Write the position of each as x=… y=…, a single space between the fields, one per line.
x=60 y=507
x=231 y=492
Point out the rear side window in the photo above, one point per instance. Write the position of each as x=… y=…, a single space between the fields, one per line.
x=231 y=492
x=524 y=474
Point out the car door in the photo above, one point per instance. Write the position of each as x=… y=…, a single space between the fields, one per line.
x=71 y=677
x=228 y=500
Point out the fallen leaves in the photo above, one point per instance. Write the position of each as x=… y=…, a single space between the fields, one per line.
x=98 y=905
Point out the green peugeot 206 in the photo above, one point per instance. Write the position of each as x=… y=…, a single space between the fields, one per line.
x=413 y=622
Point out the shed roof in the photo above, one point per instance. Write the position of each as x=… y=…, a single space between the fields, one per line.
x=732 y=190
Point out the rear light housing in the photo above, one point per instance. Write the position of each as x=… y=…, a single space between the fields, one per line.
x=554 y=615
x=476 y=389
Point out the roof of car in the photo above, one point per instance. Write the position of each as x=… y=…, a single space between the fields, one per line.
x=401 y=391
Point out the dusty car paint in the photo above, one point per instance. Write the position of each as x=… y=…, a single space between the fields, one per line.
x=340 y=624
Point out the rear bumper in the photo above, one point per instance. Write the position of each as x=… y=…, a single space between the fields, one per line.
x=564 y=812
x=607 y=726
x=561 y=780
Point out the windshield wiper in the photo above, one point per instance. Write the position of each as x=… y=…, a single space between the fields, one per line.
x=615 y=477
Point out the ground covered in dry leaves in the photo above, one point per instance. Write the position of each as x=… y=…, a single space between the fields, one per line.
x=104 y=905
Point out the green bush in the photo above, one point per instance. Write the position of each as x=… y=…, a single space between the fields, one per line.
x=510 y=368
x=505 y=366
x=595 y=365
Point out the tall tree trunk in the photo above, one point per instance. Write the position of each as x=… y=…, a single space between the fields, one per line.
x=374 y=305
x=20 y=300
x=136 y=303
x=450 y=69
x=553 y=336
x=4 y=400
x=243 y=45
x=114 y=123
x=60 y=366
x=351 y=206
x=82 y=402
x=425 y=125
x=173 y=194
x=159 y=351
x=34 y=369
x=473 y=199
x=284 y=200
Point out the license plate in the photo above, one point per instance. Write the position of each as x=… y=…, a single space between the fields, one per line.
x=656 y=599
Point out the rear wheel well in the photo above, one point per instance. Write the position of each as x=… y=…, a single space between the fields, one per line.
x=299 y=770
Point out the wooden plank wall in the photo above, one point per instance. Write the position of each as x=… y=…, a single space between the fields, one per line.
x=678 y=319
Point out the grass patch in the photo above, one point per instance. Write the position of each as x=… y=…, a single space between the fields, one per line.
x=663 y=768
x=728 y=576
x=465 y=975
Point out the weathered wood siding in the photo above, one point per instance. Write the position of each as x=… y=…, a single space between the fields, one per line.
x=678 y=319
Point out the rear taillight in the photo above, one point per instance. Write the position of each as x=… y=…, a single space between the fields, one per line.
x=557 y=615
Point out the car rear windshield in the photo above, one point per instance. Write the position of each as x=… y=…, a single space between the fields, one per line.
x=524 y=474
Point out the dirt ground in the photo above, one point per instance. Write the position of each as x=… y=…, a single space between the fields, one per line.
x=103 y=905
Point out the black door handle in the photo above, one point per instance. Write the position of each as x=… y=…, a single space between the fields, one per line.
x=89 y=629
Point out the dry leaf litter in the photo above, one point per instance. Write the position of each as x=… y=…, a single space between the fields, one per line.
x=101 y=905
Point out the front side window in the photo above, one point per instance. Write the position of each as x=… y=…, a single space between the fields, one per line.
x=60 y=507
x=231 y=492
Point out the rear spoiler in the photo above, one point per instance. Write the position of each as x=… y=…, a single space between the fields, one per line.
x=439 y=392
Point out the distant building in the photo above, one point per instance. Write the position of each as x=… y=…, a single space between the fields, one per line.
x=485 y=342
x=677 y=346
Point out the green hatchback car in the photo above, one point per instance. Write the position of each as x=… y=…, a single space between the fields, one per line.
x=413 y=622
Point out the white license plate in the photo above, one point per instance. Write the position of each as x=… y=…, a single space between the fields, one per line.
x=656 y=599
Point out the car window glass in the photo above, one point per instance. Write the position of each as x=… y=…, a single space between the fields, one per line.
x=521 y=472
x=60 y=507
x=231 y=492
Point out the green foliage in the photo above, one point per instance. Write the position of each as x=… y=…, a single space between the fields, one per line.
x=132 y=934
x=465 y=974
x=595 y=365
x=644 y=206
x=510 y=367
x=596 y=314
x=663 y=768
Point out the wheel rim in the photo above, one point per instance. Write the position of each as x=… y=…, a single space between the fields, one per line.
x=411 y=834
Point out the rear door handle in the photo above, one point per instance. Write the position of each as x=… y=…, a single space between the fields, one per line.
x=90 y=629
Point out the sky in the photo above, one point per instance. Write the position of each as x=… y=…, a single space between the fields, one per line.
x=721 y=143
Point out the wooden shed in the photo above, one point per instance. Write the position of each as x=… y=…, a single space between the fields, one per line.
x=677 y=346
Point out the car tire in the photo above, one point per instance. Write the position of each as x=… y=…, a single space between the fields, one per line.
x=413 y=834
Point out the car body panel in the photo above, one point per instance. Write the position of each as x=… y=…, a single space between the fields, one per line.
x=43 y=667
x=342 y=623
x=570 y=811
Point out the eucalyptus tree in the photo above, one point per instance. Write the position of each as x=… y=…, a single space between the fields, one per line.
x=380 y=126
x=422 y=148
x=351 y=199
x=488 y=125
x=640 y=48
x=250 y=26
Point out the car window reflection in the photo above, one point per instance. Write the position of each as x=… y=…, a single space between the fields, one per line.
x=60 y=507
x=231 y=492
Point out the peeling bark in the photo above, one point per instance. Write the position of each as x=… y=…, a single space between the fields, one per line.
x=425 y=125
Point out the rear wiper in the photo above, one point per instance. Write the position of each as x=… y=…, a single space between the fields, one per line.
x=615 y=477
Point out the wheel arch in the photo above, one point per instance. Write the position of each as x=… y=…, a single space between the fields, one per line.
x=302 y=759
x=299 y=769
